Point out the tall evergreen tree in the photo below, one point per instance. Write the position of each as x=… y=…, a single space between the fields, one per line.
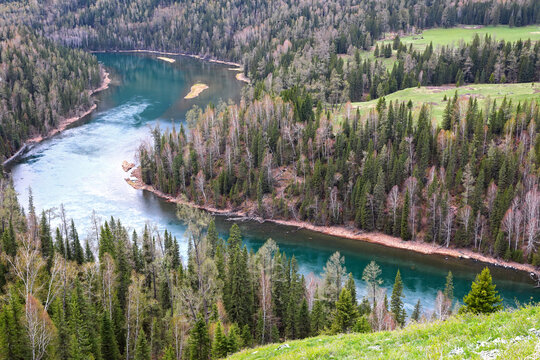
x=142 y=351
x=346 y=313
x=109 y=347
x=199 y=341
x=483 y=298
x=396 y=302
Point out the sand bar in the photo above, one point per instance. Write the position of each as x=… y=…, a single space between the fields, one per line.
x=196 y=90
x=169 y=60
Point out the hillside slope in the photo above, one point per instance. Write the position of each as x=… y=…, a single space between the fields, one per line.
x=505 y=335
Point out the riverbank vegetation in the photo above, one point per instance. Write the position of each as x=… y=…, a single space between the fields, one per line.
x=131 y=295
x=41 y=84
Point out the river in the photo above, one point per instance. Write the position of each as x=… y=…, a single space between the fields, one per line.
x=81 y=169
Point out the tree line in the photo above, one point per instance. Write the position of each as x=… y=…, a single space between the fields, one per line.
x=129 y=295
x=41 y=83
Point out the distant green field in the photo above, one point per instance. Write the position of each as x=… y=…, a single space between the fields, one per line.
x=504 y=335
x=434 y=95
x=452 y=36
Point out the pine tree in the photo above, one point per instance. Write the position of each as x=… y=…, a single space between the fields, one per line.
x=142 y=351
x=235 y=236
x=78 y=253
x=9 y=244
x=346 y=313
x=415 y=316
x=109 y=347
x=199 y=341
x=362 y=325
x=397 y=302
x=351 y=286
x=13 y=344
x=220 y=345
x=233 y=339
x=405 y=232
x=304 y=322
x=213 y=237
x=318 y=317
x=483 y=298
x=47 y=249
x=449 y=287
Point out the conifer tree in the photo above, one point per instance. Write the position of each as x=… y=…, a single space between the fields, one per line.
x=47 y=249
x=199 y=341
x=483 y=297
x=13 y=344
x=346 y=313
x=220 y=345
x=109 y=347
x=233 y=339
x=396 y=301
x=405 y=232
x=78 y=253
x=142 y=351
x=9 y=244
x=415 y=316
x=351 y=286
x=304 y=322
x=449 y=287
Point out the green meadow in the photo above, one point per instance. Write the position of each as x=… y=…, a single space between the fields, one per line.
x=504 y=335
x=434 y=95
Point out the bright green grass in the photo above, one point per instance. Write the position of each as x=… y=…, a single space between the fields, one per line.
x=434 y=95
x=507 y=335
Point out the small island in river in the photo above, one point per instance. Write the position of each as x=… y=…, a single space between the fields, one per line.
x=196 y=90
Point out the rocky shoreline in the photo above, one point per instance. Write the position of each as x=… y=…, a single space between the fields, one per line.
x=135 y=180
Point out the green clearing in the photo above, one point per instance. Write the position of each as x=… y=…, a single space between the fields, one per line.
x=452 y=36
x=504 y=335
x=434 y=95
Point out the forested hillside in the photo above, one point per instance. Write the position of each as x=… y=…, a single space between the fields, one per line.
x=132 y=295
x=298 y=43
x=41 y=84
x=469 y=179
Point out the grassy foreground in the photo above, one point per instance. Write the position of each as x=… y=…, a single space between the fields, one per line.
x=504 y=335
x=434 y=95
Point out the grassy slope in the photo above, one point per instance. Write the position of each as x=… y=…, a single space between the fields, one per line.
x=434 y=95
x=506 y=335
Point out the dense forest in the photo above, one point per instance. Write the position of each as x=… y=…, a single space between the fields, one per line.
x=272 y=37
x=469 y=179
x=127 y=295
x=40 y=84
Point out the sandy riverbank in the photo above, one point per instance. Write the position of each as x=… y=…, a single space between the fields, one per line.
x=63 y=124
x=345 y=232
x=169 y=60
x=236 y=66
x=196 y=90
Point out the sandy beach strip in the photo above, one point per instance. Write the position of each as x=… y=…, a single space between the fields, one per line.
x=344 y=232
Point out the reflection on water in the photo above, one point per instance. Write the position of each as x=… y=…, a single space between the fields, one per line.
x=81 y=168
